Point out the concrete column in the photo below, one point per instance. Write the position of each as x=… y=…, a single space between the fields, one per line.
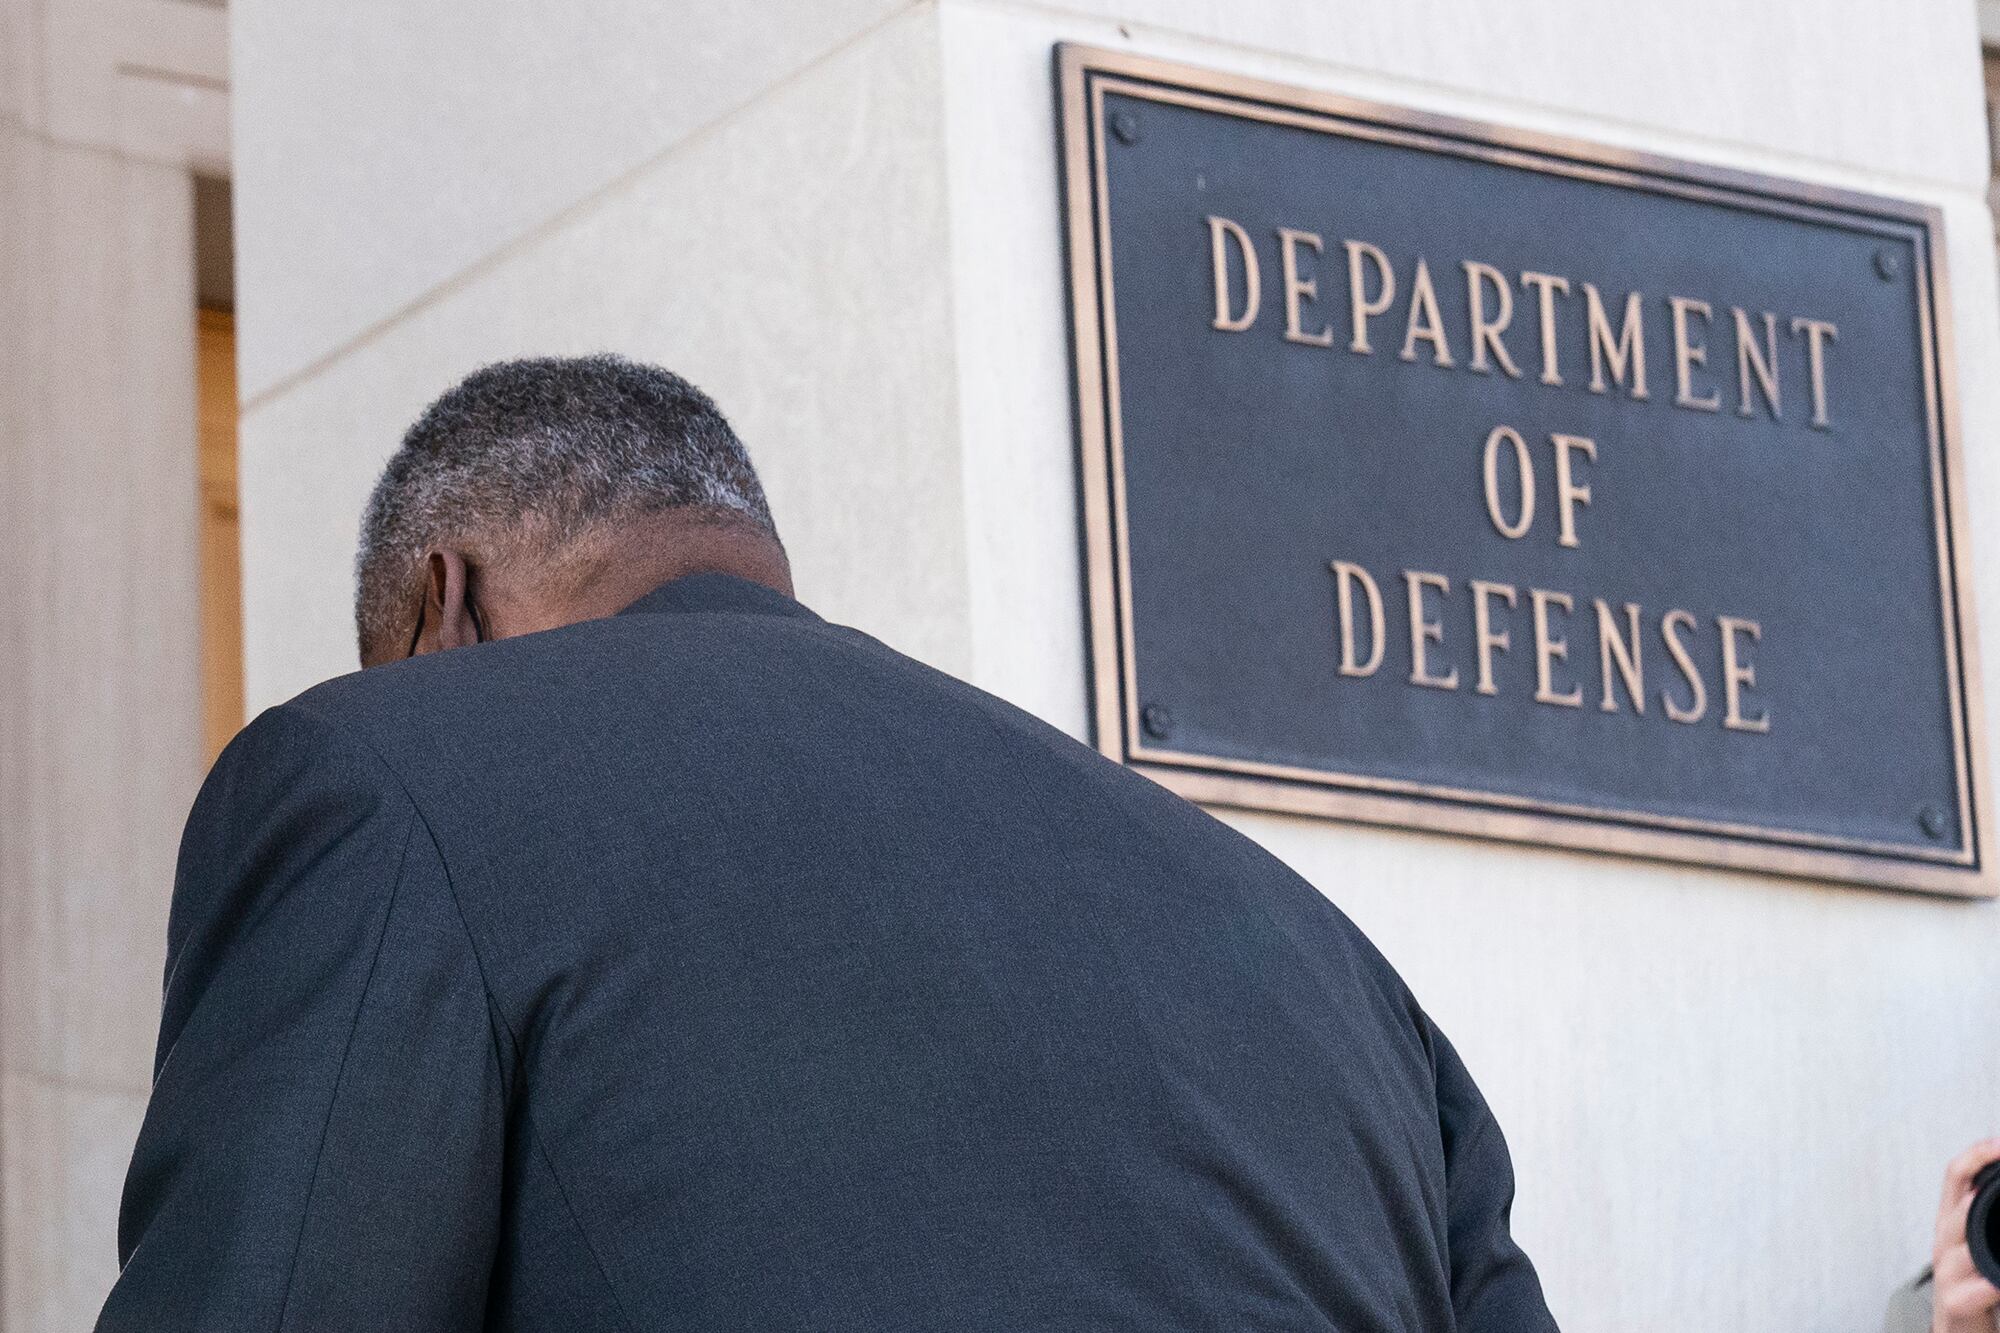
x=100 y=739
x=1729 y=1095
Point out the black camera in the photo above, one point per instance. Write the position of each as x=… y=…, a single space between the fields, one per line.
x=1982 y=1223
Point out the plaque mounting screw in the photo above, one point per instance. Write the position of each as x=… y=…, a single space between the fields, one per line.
x=1888 y=264
x=1158 y=722
x=1126 y=126
x=1932 y=821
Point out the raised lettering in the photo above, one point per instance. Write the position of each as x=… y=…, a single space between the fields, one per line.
x=1297 y=288
x=1551 y=648
x=1738 y=674
x=1425 y=322
x=1425 y=631
x=1546 y=286
x=1818 y=333
x=1671 y=627
x=1479 y=279
x=1363 y=307
x=1627 y=352
x=1482 y=629
x=1524 y=471
x=1218 y=228
x=1568 y=494
x=1688 y=354
x=1625 y=654
x=1346 y=577
x=1751 y=360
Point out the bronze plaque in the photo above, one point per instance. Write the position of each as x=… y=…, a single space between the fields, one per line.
x=1441 y=475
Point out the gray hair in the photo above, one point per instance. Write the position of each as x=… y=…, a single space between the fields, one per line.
x=523 y=458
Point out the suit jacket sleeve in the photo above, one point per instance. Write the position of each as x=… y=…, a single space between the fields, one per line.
x=1494 y=1288
x=323 y=1145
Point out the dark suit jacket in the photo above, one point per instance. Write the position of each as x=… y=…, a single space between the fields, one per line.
x=712 y=967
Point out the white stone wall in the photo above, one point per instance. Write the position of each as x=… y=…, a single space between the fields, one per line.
x=104 y=110
x=100 y=741
x=100 y=709
x=1729 y=1095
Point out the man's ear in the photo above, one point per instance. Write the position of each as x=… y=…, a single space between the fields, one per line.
x=450 y=620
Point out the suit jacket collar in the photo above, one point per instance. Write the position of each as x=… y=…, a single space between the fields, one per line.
x=724 y=593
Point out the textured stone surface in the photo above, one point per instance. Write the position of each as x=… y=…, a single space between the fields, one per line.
x=67 y=1147
x=389 y=146
x=100 y=742
x=100 y=455
x=1885 y=85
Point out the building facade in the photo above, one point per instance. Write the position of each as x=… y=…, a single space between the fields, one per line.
x=1729 y=1094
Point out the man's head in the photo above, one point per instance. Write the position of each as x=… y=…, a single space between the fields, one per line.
x=542 y=492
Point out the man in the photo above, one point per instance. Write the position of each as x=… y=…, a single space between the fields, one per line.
x=707 y=966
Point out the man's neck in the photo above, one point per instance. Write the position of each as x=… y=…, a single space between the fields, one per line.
x=638 y=557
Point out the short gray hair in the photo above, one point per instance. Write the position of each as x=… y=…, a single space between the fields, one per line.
x=526 y=457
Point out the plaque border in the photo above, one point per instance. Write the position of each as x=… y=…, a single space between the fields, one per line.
x=1083 y=75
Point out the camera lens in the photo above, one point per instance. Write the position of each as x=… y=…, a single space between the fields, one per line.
x=1982 y=1223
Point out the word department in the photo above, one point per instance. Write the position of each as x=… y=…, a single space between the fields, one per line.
x=1393 y=308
